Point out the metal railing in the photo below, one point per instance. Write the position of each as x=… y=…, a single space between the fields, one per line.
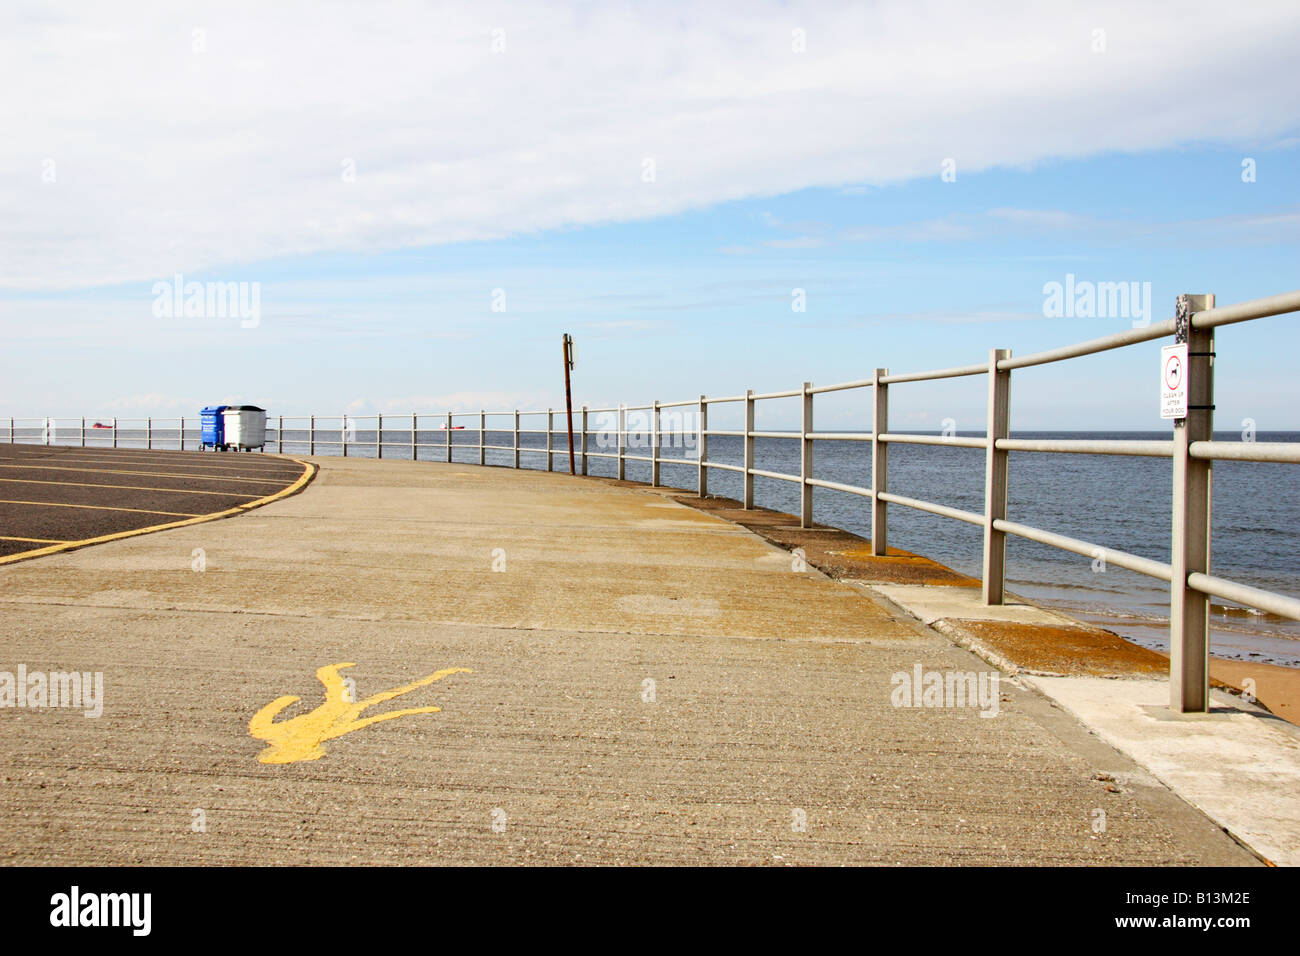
x=150 y=432
x=314 y=431
x=1192 y=450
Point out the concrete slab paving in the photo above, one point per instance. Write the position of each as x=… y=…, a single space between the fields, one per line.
x=1238 y=763
x=586 y=676
x=930 y=604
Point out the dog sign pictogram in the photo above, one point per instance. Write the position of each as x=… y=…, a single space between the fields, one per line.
x=1173 y=381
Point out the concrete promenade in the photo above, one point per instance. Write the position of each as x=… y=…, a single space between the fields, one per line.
x=621 y=679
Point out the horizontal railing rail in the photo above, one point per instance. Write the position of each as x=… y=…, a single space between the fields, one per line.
x=1193 y=449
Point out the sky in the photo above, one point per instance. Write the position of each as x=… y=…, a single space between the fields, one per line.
x=420 y=199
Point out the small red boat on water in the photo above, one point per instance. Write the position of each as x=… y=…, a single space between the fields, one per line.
x=101 y=425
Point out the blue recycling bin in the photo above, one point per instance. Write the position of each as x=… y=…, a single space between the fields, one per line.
x=214 y=427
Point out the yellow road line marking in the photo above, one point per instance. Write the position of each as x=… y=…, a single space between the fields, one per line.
x=308 y=472
x=139 y=461
x=138 y=511
x=227 y=462
x=152 y=474
x=91 y=484
x=21 y=449
x=5 y=537
x=103 y=451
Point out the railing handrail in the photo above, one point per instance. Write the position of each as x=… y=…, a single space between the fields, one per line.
x=1192 y=451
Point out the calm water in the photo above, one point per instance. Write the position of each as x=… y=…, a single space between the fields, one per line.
x=1116 y=502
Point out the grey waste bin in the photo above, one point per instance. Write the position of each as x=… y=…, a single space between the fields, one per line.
x=245 y=426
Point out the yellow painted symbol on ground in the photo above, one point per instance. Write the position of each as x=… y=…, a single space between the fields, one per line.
x=299 y=738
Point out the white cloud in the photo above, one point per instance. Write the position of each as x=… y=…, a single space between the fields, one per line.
x=621 y=325
x=153 y=403
x=1044 y=218
x=800 y=242
x=467 y=401
x=972 y=317
x=1280 y=226
x=165 y=159
x=941 y=229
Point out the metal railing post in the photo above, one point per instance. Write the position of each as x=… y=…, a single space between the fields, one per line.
x=414 y=445
x=879 y=463
x=11 y=429
x=343 y=435
x=749 y=448
x=1189 y=610
x=482 y=436
x=654 y=444
x=279 y=435
x=584 y=440
x=806 y=460
x=83 y=433
x=148 y=432
x=311 y=435
x=114 y=431
x=702 y=446
x=995 y=479
x=379 y=436
x=622 y=442
x=449 y=430
x=550 y=435
x=180 y=436
x=516 y=438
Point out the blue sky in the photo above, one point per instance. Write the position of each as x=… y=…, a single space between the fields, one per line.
x=375 y=298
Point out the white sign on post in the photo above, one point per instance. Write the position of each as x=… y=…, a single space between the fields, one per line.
x=1173 y=381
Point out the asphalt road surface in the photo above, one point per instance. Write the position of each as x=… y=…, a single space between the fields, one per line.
x=57 y=498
